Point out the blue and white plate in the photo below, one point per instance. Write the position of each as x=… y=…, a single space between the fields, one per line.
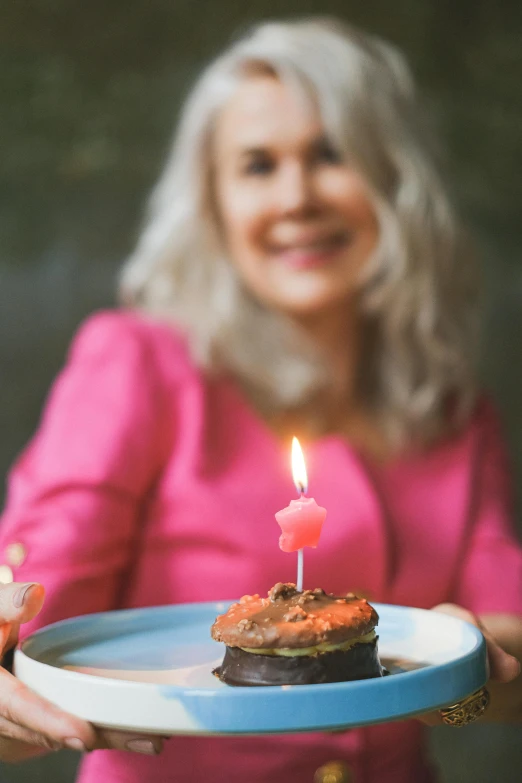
x=151 y=670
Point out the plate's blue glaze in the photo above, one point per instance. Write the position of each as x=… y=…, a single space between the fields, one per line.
x=167 y=653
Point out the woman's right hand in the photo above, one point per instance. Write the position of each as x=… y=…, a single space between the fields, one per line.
x=31 y=725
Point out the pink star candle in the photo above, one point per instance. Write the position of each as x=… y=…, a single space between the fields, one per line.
x=301 y=521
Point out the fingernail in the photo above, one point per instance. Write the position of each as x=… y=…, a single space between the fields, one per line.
x=141 y=746
x=20 y=595
x=74 y=743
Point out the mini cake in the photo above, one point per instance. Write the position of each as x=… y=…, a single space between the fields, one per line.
x=297 y=638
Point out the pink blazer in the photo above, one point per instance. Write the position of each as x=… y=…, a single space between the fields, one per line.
x=148 y=483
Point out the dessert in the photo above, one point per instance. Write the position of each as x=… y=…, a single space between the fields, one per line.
x=297 y=638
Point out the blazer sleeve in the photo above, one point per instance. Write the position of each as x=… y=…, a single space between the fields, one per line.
x=490 y=571
x=76 y=492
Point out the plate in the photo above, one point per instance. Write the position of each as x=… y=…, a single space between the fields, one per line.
x=151 y=670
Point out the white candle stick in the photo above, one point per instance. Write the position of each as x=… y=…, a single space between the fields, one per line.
x=300 y=570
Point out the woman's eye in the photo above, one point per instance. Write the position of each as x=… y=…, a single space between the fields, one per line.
x=327 y=153
x=259 y=166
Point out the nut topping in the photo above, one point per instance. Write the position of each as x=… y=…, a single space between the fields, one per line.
x=245 y=624
x=295 y=615
x=282 y=590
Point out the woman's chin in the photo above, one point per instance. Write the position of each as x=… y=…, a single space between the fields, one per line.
x=312 y=306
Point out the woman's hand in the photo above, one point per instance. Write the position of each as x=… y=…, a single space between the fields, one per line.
x=506 y=703
x=30 y=725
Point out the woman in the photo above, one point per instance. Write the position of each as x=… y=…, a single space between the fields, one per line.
x=301 y=271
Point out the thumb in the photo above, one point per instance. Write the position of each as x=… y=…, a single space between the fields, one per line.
x=503 y=667
x=19 y=603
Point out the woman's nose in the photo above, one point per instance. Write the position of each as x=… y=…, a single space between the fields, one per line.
x=295 y=190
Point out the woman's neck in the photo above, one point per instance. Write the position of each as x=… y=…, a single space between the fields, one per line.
x=336 y=335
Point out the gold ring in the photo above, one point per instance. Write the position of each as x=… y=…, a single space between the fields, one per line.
x=468 y=710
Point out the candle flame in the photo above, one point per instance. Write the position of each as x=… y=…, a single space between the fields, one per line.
x=299 y=468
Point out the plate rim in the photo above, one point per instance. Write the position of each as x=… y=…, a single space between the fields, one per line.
x=352 y=684
x=227 y=697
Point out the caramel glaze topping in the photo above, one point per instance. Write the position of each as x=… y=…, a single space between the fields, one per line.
x=288 y=618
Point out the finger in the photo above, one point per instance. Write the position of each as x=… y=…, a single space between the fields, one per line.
x=19 y=603
x=13 y=751
x=503 y=667
x=23 y=707
x=13 y=733
x=149 y=744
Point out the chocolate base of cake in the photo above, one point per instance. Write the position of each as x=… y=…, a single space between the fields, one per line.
x=360 y=662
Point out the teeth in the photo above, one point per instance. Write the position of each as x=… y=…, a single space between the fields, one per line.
x=319 y=245
x=316 y=246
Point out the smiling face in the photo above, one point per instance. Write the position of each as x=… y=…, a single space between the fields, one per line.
x=297 y=221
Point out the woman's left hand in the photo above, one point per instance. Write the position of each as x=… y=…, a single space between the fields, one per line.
x=503 y=669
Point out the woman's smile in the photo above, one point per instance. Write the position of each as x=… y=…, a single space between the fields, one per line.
x=311 y=251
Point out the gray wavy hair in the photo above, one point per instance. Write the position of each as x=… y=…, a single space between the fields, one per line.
x=417 y=296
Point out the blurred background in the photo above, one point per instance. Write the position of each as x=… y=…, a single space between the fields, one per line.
x=89 y=94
